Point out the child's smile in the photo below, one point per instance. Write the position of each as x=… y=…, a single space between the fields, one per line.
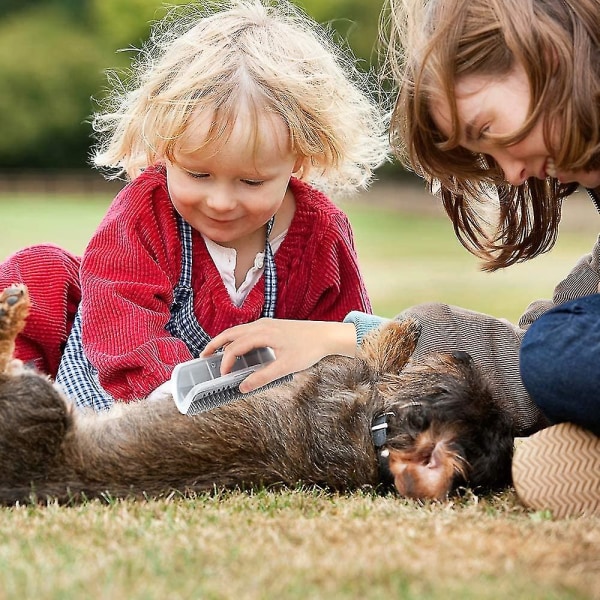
x=228 y=189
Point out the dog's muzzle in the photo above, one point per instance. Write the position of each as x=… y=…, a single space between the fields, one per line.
x=379 y=427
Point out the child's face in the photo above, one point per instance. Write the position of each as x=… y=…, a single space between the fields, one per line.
x=229 y=192
x=488 y=106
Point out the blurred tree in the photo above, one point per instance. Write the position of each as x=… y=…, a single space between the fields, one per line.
x=48 y=69
x=54 y=54
x=74 y=7
x=124 y=24
x=355 y=21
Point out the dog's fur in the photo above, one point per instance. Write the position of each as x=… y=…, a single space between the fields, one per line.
x=444 y=430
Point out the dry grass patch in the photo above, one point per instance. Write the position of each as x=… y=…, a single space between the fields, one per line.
x=297 y=544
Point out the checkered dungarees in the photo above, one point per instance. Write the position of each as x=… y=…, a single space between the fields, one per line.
x=79 y=379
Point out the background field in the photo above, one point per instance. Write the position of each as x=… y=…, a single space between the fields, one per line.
x=406 y=246
x=304 y=543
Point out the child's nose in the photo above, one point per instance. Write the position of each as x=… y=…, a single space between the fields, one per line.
x=515 y=172
x=220 y=200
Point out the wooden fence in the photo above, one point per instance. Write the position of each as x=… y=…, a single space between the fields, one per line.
x=51 y=183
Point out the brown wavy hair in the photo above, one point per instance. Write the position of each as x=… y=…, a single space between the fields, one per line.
x=432 y=44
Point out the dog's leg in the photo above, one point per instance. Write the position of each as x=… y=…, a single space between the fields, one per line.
x=14 y=307
x=390 y=347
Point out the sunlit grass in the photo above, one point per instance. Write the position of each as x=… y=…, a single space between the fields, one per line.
x=410 y=258
x=68 y=221
x=296 y=544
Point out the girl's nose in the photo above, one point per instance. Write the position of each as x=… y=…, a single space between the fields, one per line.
x=220 y=200
x=514 y=170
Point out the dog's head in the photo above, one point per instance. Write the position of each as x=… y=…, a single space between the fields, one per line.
x=444 y=429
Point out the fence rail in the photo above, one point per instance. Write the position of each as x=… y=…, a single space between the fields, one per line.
x=51 y=183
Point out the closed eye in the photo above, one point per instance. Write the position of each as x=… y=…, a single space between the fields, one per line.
x=483 y=132
x=197 y=175
x=253 y=182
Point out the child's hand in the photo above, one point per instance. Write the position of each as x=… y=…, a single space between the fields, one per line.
x=297 y=346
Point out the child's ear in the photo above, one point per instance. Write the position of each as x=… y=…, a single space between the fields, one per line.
x=298 y=169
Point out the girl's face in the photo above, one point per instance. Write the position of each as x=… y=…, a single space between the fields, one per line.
x=228 y=192
x=488 y=106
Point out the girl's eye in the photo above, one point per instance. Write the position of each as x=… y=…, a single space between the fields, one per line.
x=483 y=132
x=197 y=175
x=253 y=182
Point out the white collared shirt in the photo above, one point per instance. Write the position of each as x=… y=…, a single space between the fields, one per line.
x=225 y=260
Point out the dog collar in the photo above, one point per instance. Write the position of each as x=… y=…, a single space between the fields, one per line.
x=379 y=430
x=379 y=427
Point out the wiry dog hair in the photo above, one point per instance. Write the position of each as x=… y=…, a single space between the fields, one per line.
x=441 y=430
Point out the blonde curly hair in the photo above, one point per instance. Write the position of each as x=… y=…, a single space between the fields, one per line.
x=262 y=55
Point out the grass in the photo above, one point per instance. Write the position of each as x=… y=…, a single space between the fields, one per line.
x=300 y=544
x=296 y=544
x=411 y=257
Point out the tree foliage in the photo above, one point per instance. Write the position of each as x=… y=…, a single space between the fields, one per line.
x=48 y=68
x=355 y=21
x=54 y=55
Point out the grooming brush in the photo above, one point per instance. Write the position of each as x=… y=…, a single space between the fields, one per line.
x=199 y=386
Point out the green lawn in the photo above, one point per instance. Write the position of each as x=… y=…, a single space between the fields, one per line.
x=68 y=221
x=406 y=258
x=409 y=258
x=306 y=544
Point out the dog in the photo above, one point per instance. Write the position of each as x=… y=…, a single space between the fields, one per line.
x=374 y=422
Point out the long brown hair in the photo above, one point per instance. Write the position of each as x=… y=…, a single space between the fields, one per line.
x=435 y=42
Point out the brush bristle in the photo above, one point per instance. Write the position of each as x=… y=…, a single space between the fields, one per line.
x=225 y=395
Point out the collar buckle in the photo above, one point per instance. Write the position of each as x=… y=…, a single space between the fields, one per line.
x=379 y=429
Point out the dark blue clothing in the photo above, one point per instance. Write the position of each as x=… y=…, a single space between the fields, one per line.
x=560 y=363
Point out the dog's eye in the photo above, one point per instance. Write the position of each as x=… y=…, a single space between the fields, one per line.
x=417 y=419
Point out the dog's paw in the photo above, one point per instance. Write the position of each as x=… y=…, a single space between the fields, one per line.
x=14 y=307
x=14 y=368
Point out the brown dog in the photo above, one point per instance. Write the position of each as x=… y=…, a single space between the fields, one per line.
x=344 y=424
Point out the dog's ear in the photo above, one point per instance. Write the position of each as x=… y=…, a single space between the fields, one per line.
x=388 y=348
x=463 y=357
x=490 y=452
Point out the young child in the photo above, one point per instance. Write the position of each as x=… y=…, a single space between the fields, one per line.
x=498 y=99
x=228 y=116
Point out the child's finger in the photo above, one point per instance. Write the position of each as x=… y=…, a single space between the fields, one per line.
x=262 y=377
x=218 y=342
x=235 y=334
x=236 y=348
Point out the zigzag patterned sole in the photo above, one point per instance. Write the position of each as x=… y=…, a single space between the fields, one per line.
x=558 y=469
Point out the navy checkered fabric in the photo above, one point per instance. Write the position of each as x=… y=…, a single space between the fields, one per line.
x=183 y=323
x=270 y=275
x=79 y=378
